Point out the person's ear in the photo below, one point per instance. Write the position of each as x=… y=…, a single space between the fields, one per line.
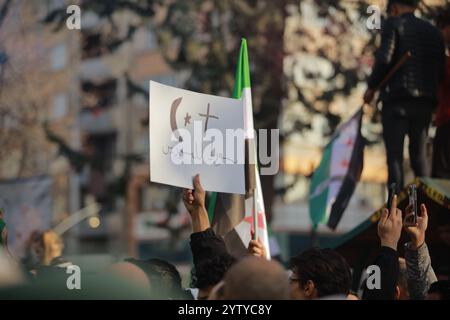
x=398 y=293
x=309 y=289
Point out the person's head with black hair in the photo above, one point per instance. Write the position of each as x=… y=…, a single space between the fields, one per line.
x=164 y=278
x=210 y=272
x=396 y=8
x=439 y=290
x=318 y=273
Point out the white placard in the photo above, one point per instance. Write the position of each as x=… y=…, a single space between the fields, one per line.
x=174 y=113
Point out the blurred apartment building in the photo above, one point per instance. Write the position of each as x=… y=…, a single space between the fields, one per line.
x=84 y=88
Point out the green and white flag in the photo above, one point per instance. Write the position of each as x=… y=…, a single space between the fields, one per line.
x=338 y=173
x=232 y=215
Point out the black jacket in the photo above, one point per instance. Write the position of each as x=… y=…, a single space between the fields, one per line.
x=207 y=244
x=419 y=77
x=387 y=261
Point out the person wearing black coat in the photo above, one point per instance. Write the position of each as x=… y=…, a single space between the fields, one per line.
x=409 y=97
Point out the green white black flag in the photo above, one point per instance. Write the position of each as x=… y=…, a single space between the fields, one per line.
x=232 y=215
x=338 y=173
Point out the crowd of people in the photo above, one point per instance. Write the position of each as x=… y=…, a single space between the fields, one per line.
x=216 y=275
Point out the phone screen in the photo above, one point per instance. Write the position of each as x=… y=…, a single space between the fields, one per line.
x=411 y=209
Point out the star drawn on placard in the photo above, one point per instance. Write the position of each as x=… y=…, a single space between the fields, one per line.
x=187 y=119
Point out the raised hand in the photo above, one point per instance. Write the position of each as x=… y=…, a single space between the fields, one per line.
x=390 y=225
x=417 y=232
x=194 y=199
x=257 y=248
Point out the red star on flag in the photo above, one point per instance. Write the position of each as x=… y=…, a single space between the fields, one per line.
x=345 y=163
x=349 y=142
x=261 y=225
x=96 y=112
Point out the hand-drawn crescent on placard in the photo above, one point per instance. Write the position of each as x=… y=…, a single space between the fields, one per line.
x=173 y=118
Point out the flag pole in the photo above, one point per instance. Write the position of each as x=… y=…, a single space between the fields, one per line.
x=250 y=177
x=391 y=72
x=255 y=216
x=394 y=69
x=254 y=167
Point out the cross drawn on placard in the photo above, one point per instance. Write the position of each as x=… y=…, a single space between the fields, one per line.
x=207 y=116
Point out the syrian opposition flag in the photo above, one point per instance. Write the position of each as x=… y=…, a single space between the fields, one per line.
x=338 y=173
x=232 y=215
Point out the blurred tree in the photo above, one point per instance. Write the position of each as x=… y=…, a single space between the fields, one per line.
x=328 y=54
x=21 y=104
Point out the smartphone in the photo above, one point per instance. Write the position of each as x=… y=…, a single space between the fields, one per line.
x=411 y=209
x=392 y=189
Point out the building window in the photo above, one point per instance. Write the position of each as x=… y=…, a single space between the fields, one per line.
x=99 y=95
x=167 y=79
x=58 y=57
x=60 y=106
x=94 y=44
